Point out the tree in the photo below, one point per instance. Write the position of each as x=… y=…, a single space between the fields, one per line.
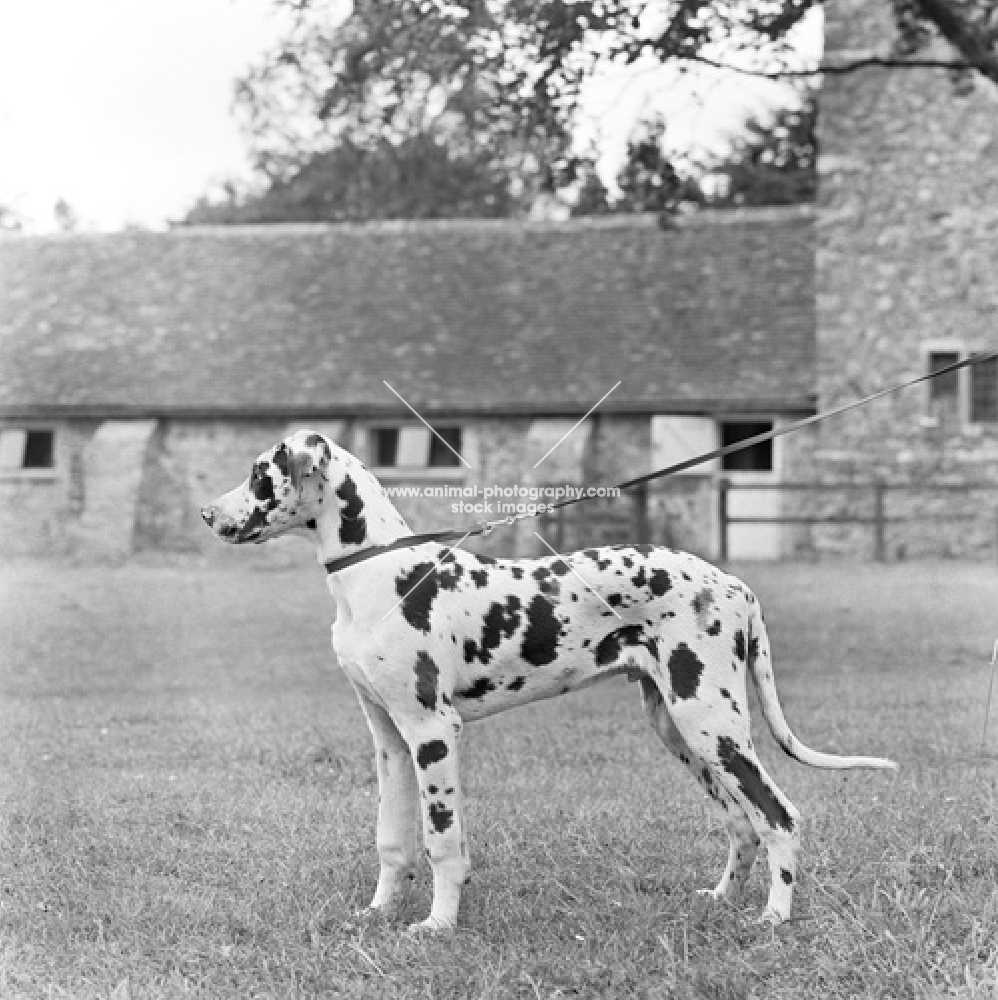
x=426 y=108
x=11 y=221
x=417 y=178
x=66 y=217
x=398 y=108
x=774 y=164
x=528 y=58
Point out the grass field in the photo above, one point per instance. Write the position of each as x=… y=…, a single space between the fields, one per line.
x=188 y=806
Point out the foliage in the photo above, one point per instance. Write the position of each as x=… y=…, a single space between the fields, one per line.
x=435 y=108
x=66 y=217
x=11 y=220
x=774 y=164
x=419 y=178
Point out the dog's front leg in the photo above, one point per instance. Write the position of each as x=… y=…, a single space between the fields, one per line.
x=397 y=837
x=434 y=746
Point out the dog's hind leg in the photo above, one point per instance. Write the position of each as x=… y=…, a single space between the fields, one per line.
x=398 y=806
x=743 y=842
x=722 y=739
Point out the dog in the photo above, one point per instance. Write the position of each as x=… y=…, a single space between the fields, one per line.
x=431 y=638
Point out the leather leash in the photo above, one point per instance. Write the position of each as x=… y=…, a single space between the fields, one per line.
x=485 y=528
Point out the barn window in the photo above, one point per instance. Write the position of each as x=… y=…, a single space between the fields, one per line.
x=23 y=448
x=944 y=386
x=984 y=392
x=415 y=447
x=756 y=457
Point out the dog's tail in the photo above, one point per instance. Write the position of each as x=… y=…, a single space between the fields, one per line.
x=760 y=666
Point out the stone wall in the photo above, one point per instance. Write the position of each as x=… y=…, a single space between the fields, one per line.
x=125 y=487
x=39 y=512
x=908 y=237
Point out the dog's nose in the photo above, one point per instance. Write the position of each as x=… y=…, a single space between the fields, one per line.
x=208 y=515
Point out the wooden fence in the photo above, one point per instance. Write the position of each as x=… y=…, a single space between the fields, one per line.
x=878 y=520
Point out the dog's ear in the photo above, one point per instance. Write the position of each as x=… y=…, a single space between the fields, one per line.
x=300 y=465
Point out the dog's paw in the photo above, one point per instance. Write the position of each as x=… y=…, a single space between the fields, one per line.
x=431 y=925
x=772 y=917
x=370 y=915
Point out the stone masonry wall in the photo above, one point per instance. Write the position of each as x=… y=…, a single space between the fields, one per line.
x=908 y=238
x=39 y=512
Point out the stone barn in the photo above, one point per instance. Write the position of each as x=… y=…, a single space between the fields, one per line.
x=141 y=373
x=906 y=282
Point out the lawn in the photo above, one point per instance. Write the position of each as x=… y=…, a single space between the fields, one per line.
x=188 y=805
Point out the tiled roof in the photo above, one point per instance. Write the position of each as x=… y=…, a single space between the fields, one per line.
x=459 y=317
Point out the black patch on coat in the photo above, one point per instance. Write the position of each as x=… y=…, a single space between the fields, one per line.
x=516 y=684
x=611 y=645
x=659 y=582
x=702 y=601
x=788 y=878
x=753 y=649
x=540 y=640
x=261 y=485
x=540 y=573
x=639 y=579
x=431 y=753
x=418 y=589
x=560 y=567
x=479 y=689
x=499 y=622
x=627 y=561
x=353 y=524
x=447 y=579
x=314 y=441
x=517 y=573
x=752 y=784
x=715 y=629
x=256 y=521
x=740 y=645
x=481 y=578
x=426 y=681
x=282 y=459
x=311 y=524
x=440 y=816
x=485 y=560
x=643 y=549
x=614 y=600
x=685 y=669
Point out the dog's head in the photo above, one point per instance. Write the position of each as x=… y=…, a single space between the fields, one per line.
x=284 y=493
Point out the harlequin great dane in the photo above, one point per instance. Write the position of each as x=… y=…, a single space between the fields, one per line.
x=431 y=639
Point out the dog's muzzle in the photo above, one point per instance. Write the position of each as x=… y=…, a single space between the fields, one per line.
x=225 y=526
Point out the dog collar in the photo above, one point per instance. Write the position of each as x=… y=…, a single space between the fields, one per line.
x=410 y=541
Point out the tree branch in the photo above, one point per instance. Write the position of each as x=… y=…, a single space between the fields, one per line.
x=881 y=62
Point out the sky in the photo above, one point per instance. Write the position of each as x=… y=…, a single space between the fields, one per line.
x=123 y=108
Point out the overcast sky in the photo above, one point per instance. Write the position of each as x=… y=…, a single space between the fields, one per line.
x=124 y=107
